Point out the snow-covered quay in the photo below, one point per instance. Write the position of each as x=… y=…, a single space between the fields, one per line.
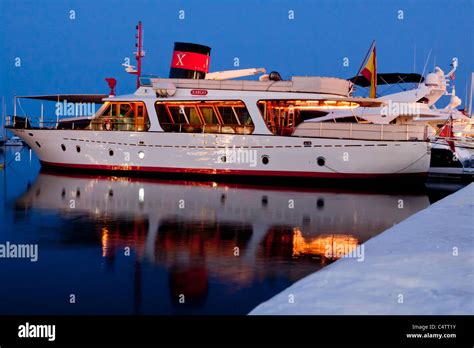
x=423 y=265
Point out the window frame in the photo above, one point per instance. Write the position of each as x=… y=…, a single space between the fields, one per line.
x=114 y=119
x=198 y=105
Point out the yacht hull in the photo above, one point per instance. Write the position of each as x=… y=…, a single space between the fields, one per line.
x=226 y=154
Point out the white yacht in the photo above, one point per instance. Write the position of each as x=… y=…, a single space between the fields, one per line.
x=449 y=128
x=212 y=123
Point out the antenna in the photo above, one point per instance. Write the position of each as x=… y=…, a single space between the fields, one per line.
x=414 y=59
x=139 y=54
x=465 y=101
x=424 y=67
x=470 y=96
x=426 y=62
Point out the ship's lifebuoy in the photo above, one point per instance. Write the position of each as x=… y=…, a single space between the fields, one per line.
x=108 y=125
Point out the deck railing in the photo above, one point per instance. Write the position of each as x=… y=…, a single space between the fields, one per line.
x=110 y=124
x=81 y=123
x=366 y=131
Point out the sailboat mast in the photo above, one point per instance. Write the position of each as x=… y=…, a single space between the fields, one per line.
x=4 y=120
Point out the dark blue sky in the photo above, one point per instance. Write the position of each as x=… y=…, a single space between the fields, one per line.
x=74 y=56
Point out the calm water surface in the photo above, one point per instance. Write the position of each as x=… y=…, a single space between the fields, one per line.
x=142 y=246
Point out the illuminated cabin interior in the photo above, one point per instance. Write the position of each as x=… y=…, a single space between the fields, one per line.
x=122 y=116
x=230 y=117
x=219 y=116
x=283 y=116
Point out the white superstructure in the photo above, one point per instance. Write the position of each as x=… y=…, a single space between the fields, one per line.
x=453 y=150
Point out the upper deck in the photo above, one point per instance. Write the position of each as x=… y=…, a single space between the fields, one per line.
x=297 y=84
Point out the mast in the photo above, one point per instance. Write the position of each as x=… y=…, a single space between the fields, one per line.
x=139 y=54
x=3 y=134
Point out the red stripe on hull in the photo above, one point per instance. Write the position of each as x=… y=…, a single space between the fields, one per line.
x=238 y=172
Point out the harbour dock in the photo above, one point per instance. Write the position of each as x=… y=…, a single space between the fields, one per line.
x=421 y=266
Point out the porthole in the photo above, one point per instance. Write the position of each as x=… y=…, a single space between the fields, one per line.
x=78 y=192
x=223 y=159
x=265 y=159
x=264 y=201
x=321 y=161
x=78 y=148
x=141 y=155
x=63 y=193
x=37 y=144
x=320 y=203
x=111 y=152
x=111 y=193
x=63 y=147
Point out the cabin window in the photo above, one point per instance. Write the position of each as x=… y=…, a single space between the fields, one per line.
x=110 y=110
x=181 y=114
x=122 y=116
x=125 y=110
x=140 y=111
x=243 y=116
x=208 y=114
x=283 y=116
x=230 y=117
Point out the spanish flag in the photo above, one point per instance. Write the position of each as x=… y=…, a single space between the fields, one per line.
x=370 y=72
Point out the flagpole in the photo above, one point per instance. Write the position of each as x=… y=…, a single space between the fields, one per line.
x=364 y=61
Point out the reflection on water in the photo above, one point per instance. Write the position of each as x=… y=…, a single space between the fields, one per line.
x=330 y=246
x=127 y=245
